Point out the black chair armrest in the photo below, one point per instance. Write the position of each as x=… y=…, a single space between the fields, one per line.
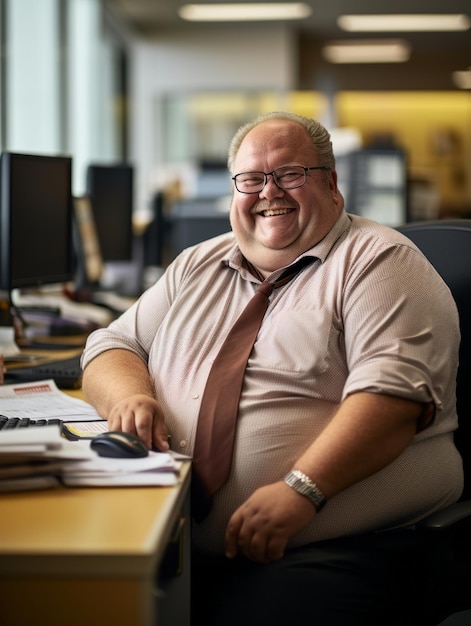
x=448 y=517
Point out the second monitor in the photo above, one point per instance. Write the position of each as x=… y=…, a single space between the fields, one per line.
x=110 y=191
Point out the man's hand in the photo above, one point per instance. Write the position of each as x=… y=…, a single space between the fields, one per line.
x=117 y=384
x=262 y=526
x=140 y=415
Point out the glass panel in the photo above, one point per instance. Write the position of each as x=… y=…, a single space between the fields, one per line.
x=32 y=93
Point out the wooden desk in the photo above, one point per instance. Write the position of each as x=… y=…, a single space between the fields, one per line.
x=86 y=556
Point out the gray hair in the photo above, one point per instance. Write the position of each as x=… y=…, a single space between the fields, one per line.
x=320 y=137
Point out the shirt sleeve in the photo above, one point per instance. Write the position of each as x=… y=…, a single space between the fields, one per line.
x=136 y=328
x=400 y=321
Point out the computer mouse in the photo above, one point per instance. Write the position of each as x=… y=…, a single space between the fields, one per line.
x=119 y=445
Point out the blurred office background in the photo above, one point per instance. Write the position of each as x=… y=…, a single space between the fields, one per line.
x=130 y=81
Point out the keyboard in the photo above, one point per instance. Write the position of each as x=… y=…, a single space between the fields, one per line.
x=8 y=423
x=66 y=373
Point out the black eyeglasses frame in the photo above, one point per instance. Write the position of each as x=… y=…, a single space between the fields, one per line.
x=273 y=175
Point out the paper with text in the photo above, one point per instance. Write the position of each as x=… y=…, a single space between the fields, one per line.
x=43 y=399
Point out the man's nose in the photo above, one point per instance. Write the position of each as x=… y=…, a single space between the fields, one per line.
x=271 y=189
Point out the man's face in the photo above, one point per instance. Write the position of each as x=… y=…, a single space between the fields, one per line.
x=275 y=226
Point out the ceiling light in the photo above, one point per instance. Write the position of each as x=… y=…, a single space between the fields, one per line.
x=462 y=79
x=253 y=11
x=367 y=51
x=403 y=23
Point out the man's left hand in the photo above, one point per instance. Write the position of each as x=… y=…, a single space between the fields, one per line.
x=263 y=525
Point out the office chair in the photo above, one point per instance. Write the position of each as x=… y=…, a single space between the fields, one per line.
x=463 y=618
x=447 y=245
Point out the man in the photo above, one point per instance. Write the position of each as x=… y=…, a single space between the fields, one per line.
x=350 y=384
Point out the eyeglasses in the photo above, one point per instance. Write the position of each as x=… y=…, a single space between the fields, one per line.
x=289 y=177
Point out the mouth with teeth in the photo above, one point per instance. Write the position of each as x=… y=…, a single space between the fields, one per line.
x=274 y=212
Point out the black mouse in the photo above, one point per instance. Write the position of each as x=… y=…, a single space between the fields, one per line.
x=118 y=445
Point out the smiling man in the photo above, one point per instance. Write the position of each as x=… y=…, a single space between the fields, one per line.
x=278 y=215
x=344 y=431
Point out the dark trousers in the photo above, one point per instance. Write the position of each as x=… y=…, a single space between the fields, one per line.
x=367 y=580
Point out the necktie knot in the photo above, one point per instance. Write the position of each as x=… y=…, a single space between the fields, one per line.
x=266 y=288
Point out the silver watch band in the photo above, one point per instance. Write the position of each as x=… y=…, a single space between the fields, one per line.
x=303 y=485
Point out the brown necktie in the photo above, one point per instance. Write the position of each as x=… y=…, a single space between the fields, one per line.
x=212 y=455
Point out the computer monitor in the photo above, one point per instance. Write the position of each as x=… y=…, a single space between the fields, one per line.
x=36 y=244
x=110 y=191
x=193 y=220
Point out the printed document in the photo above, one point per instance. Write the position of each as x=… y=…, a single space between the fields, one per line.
x=43 y=399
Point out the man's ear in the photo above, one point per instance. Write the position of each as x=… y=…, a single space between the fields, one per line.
x=336 y=195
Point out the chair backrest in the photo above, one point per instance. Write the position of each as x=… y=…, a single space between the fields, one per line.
x=447 y=245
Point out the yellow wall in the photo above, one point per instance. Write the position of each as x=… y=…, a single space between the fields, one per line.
x=433 y=127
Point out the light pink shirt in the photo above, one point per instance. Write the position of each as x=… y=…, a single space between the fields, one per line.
x=370 y=314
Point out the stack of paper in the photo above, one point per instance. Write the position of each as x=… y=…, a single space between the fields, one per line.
x=158 y=469
x=39 y=457
x=35 y=457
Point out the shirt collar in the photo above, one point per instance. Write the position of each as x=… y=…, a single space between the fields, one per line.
x=324 y=246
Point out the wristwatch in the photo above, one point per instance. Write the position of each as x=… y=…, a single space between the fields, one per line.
x=303 y=485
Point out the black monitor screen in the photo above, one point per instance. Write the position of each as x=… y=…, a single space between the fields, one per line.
x=110 y=190
x=35 y=220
